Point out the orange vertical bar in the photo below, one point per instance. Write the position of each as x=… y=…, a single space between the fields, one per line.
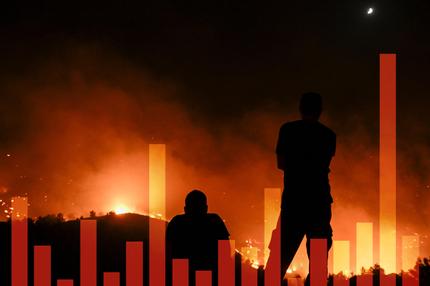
x=134 y=263
x=318 y=262
x=203 y=278
x=226 y=262
x=387 y=163
x=364 y=246
x=341 y=257
x=88 y=249
x=111 y=279
x=272 y=207
x=157 y=209
x=180 y=272
x=19 y=238
x=64 y=282
x=42 y=265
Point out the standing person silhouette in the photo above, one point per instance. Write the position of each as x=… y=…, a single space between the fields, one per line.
x=304 y=151
x=194 y=235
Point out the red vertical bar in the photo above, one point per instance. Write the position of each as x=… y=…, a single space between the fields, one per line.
x=272 y=275
x=64 y=282
x=88 y=252
x=134 y=263
x=340 y=280
x=408 y=280
x=19 y=242
x=180 y=272
x=203 y=278
x=249 y=276
x=318 y=262
x=111 y=279
x=42 y=265
x=157 y=231
x=387 y=164
x=225 y=263
x=388 y=280
x=365 y=280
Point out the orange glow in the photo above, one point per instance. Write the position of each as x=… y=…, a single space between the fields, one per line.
x=410 y=251
x=122 y=209
x=157 y=180
x=364 y=249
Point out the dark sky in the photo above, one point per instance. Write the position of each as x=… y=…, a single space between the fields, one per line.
x=232 y=71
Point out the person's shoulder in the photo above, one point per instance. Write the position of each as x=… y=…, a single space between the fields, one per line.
x=214 y=217
x=290 y=124
x=327 y=130
x=177 y=219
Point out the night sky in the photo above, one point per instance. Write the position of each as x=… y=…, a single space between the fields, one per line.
x=86 y=85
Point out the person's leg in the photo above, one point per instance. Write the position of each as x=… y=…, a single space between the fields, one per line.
x=319 y=227
x=288 y=234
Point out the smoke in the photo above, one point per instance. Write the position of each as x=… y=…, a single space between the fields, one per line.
x=76 y=134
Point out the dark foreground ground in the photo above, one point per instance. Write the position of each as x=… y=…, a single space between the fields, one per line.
x=112 y=233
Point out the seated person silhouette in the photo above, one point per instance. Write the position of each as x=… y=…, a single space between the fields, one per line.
x=194 y=235
x=304 y=151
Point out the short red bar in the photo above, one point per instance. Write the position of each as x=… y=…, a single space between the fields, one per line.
x=19 y=242
x=318 y=262
x=203 y=278
x=64 y=282
x=157 y=230
x=42 y=265
x=225 y=263
x=249 y=276
x=180 y=272
x=88 y=252
x=134 y=263
x=388 y=280
x=339 y=280
x=272 y=275
x=408 y=280
x=111 y=279
x=365 y=280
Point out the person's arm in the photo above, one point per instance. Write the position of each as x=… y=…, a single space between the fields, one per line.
x=280 y=153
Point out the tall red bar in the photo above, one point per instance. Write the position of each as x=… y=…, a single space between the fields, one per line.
x=19 y=238
x=180 y=272
x=249 y=276
x=318 y=262
x=111 y=279
x=225 y=262
x=134 y=263
x=204 y=278
x=42 y=265
x=88 y=249
x=387 y=164
x=272 y=275
x=388 y=280
x=365 y=280
x=64 y=282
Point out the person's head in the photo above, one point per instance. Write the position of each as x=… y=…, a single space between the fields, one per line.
x=196 y=203
x=310 y=106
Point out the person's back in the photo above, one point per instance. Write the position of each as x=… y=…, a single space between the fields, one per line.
x=194 y=236
x=306 y=148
